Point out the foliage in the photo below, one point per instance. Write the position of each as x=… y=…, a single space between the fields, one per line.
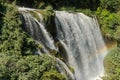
x=56 y=4
x=16 y=49
x=86 y=11
x=47 y=13
x=111 y=5
x=109 y=22
x=2 y=11
x=52 y=75
x=72 y=3
x=9 y=31
x=13 y=39
x=32 y=67
x=117 y=33
x=112 y=66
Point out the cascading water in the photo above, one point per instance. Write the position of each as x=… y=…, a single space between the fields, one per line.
x=36 y=29
x=78 y=35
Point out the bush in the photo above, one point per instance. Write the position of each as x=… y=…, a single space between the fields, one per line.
x=117 y=33
x=52 y=75
x=112 y=66
x=29 y=68
x=13 y=40
x=109 y=22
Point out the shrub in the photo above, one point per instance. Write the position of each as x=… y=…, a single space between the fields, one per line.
x=109 y=22
x=32 y=67
x=13 y=38
x=112 y=66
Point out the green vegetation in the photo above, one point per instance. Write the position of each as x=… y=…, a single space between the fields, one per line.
x=112 y=65
x=109 y=22
x=32 y=67
x=56 y=4
x=13 y=39
x=46 y=13
x=111 y=5
x=17 y=61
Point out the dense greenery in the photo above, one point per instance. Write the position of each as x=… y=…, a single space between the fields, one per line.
x=17 y=61
x=13 y=39
x=32 y=67
x=111 y=5
x=109 y=22
x=112 y=65
x=56 y=4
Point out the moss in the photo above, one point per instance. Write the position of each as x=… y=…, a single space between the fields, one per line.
x=34 y=14
x=71 y=69
x=47 y=13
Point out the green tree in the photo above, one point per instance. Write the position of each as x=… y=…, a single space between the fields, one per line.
x=56 y=4
x=109 y=22
x=32 y=67
x=2 y=11
x=10 y=36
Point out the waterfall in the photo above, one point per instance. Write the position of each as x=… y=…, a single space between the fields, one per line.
x=81 y=37
x=80 y=42
x=36 y=29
